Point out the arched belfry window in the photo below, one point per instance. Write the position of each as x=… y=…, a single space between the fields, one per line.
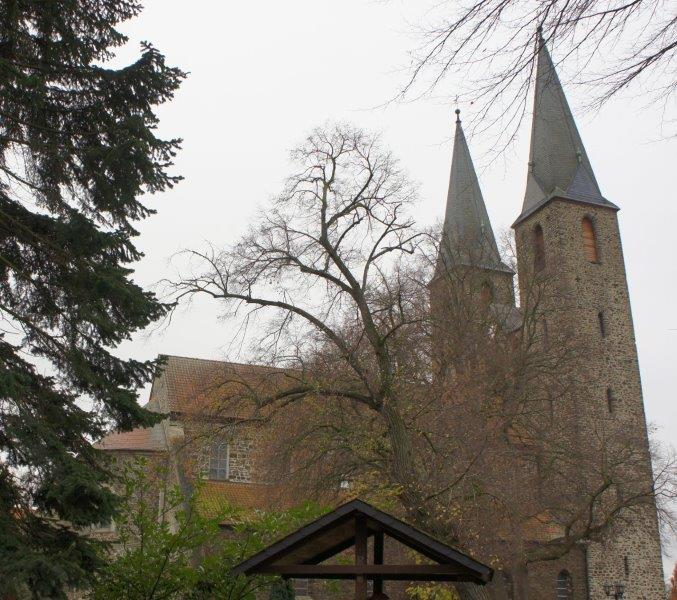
x=539 y=248
x=565 y=587
x=486 y=293
x=589 y=240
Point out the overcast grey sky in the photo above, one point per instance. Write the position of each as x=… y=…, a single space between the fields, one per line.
x=262 y=74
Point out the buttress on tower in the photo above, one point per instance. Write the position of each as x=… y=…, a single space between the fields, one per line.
x=568 y=232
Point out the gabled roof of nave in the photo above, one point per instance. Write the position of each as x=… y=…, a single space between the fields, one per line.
x=202 y=386
x=140 y=439
x=467 y=236
x=558 y=163
x=198 y=388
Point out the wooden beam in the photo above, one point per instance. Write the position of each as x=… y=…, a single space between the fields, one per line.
x=360 y=557
x=378 y=560
x=386 y=572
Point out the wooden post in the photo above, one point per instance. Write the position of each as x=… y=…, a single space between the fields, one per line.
x=360 y=556
x=378 y=560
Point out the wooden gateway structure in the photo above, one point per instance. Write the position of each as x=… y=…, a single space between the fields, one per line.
x=303 y=553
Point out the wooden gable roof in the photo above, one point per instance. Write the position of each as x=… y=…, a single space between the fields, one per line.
x=300 y=553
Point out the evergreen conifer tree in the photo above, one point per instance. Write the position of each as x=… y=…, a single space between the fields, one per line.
x=77 y=149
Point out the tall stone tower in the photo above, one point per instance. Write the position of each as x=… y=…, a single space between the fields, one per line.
x=568 y=231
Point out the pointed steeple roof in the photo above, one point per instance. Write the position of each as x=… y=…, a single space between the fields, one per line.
x=467 y=235
x=558 y=163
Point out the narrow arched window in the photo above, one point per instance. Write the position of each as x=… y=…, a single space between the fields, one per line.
x=539 y=248
x=565 y=588
x=486 y=293
x=589 y=240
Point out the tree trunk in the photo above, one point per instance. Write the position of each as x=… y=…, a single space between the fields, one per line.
x=404 y=473
x=403 y=467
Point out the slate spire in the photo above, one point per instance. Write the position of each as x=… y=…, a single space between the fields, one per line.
x=558 y=163
x=467 y=235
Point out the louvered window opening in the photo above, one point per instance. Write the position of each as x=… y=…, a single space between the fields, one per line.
x=564 y=586
x=589 y=241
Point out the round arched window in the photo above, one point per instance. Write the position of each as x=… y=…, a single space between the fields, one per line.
x=589 y=240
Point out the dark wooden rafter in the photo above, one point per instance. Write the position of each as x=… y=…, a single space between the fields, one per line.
x=378 y=560
x=374 y=572
x=360 y=556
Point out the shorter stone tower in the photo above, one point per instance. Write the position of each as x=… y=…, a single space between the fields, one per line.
x=471 y=286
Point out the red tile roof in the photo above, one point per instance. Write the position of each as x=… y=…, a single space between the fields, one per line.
x=198 y=386
x=215 y=497
x=141 y=439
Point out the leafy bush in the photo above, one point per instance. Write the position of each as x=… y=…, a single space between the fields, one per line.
x=172 y=552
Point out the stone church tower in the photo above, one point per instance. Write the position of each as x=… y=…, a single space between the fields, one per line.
x=568 y=232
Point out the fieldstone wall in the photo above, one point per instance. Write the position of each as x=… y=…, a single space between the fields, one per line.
x=199 y=438
x=240 y=458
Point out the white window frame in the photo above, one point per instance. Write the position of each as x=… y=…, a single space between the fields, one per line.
x=219 y=459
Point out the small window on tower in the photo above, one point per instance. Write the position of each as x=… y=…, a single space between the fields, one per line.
x=589 y=240
x=610 y=401
x=565 y=588
x=601 y=319
x=539 y=249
